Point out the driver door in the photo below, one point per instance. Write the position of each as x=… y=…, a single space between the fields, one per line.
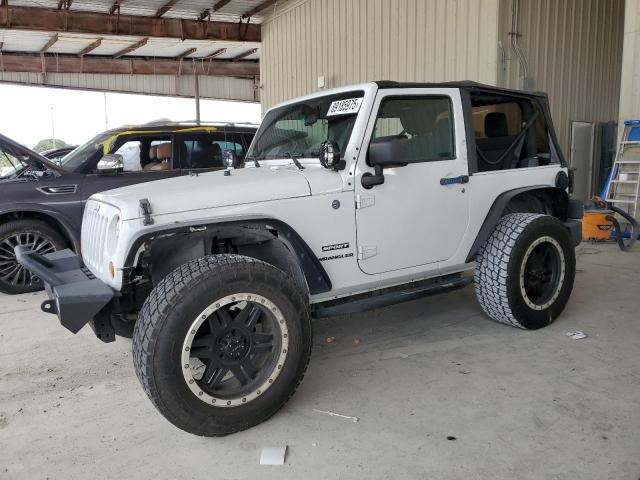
x=413 y=220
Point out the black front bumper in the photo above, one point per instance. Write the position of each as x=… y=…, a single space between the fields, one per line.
x=75 y=295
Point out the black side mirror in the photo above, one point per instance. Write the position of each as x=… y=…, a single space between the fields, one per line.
x=385 y=152
x=389 y=152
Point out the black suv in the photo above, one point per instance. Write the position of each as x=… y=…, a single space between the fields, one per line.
x=41 y=203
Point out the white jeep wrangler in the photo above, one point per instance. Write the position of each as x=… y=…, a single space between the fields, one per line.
x=350 y=199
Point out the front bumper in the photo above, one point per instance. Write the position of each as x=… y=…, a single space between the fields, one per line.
x=75 y=296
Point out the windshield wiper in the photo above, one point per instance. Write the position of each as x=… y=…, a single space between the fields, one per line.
x=295 y=159
x=255 y=159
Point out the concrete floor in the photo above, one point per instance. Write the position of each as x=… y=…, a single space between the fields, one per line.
x=521 y=405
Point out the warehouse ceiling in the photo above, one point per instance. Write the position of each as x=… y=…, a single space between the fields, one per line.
x=218 y=38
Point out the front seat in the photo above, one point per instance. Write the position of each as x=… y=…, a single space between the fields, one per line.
x=163 y=160
x=496 y=142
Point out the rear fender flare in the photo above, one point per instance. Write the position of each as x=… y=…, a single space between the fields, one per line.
x=560 y=199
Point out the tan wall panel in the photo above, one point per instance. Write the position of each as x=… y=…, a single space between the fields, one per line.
x=353 y=41
x=574 y=51
x=630 y=84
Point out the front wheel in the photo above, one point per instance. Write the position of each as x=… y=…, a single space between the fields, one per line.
x=221 y=343
x=42 y=239
x=525 y=270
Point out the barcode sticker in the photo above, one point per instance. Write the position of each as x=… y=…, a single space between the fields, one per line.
x=344 y=107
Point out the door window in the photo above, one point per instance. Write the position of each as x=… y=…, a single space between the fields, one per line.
x=145 y=153
x=426 y=121
x=203 y=150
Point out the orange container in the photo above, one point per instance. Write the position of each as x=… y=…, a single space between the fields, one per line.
x=595 y=226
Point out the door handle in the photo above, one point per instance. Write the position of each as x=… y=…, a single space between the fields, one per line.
x=453 y=180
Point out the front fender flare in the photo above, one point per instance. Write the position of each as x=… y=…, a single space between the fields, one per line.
x=316 y=276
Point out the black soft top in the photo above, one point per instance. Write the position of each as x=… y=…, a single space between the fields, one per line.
x=463 y=84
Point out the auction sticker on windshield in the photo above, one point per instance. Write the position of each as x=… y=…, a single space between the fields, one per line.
x=344 y=107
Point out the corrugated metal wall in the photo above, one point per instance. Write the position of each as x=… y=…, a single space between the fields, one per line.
x=352 y=41
x=574 y=51
x=210 y=87
x=630 y=84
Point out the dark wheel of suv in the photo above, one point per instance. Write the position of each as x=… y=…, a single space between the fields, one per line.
x=14 y=278
x=222 y=343
x=525 y=271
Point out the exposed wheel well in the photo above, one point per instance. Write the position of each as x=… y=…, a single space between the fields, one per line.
x=43 y=217
x=272 y=242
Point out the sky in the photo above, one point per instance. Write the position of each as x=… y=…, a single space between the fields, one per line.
x=30 y=114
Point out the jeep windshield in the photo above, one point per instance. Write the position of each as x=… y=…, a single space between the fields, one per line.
x=297 y=130
x=77 y=158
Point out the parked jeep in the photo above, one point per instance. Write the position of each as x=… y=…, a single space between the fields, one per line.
x=41 y=202
x=352 y=199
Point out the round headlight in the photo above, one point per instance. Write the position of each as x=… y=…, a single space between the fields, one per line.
x=230 y=159
x=330 y=155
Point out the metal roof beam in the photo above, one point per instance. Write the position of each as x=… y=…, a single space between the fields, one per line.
x=74 y=21
x=90 y=47
x=217 y=53
x=58 y=63
x=186 y=53
x=131 y=48
x=244 y=54
x=168 y=6
x=49 y=43
x=115 y=7
x=258 y=8
x=219 y=5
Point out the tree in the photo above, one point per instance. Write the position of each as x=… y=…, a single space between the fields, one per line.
x=47 y=144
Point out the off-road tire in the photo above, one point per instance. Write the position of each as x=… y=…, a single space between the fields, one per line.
x=31 y=226
x=499 y=266
x=165 y=320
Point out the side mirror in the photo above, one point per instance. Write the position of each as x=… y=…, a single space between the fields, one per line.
x=385 y=152
x=389 y=152
x=230 y=159
x=111 y=163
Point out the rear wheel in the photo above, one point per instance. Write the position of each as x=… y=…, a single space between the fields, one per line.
x=222 y=343
x=525 y=271
x=14 y=278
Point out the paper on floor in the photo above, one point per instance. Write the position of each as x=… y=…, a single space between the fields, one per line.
x=273 y=455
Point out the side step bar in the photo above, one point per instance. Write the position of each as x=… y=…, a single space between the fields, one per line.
x=379 y=299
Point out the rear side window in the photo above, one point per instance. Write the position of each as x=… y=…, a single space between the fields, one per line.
x=510 y=133
x=426 y=121
x=203 y=150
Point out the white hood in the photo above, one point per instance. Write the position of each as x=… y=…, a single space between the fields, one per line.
x=209 y=190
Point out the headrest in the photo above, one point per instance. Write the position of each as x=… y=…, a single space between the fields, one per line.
x=495 y=125
x=164 y=151
x=216 y=150
x=153 y=153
